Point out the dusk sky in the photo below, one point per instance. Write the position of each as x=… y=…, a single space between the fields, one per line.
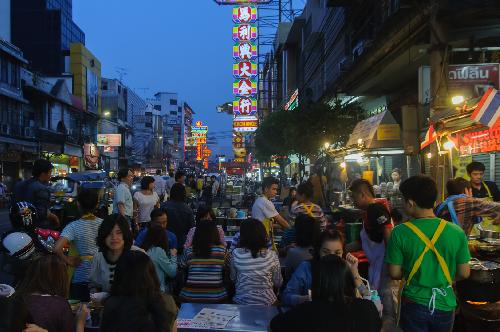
x=166 y=45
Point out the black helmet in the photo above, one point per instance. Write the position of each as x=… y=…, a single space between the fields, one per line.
x=23 y=215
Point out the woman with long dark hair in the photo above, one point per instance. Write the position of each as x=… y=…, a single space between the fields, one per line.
x=333 y=306
x=205 y=266
x=145 y=201
x=113 y=239
x=204 y=213
x=164 y=259
x=136 y=302
x=331 y=242
x=44 y=291
x=255 y=269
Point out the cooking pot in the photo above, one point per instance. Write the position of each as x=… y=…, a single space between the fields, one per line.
x=483 y=285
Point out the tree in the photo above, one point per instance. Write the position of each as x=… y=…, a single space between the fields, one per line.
x=270 y=137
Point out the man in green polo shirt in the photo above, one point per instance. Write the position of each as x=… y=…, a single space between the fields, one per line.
x=428 y=255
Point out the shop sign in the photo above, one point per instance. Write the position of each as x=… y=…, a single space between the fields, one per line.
x=108 y=149
x=244 y=32
x=239 y=2
x=388 y=132
x=91 y=156
x=245 y=106
x=245 y=51
x=482 y=141
x=245 y=14
x=472 y=80
x=293 y=103
x=245 y=124
x=199 y=152
x=460 y=164
x=109 y=139
x=245 y=88
x=244 y=69
x=238 y=140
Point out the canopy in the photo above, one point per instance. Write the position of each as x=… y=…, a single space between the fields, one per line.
x=378 y=132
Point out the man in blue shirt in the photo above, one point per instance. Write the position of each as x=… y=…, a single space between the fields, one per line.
x=158 y=218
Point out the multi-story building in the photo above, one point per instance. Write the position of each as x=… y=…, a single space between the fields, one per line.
x=135 y=109
x=16 y=149
x=171 y=111
x=45 y=30
x=388 y=56
x=115 y=121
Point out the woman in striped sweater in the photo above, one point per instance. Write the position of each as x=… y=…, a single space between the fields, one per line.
x=255 y=269
x=205 y=262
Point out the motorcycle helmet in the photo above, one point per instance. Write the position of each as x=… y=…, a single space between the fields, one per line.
x=23 y=215
x=18 y=245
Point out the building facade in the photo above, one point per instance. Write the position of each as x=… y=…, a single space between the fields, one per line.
x=47 y=39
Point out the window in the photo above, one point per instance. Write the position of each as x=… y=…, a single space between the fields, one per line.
x=148 y=125
x=173 y=113
x=105 y=85
x=179 y=109
x=3 y=71
x=149 y=114
x=157 y=107
x=173 y=101
x=119 y=89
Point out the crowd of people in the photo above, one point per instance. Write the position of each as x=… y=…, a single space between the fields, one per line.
x=151 y=254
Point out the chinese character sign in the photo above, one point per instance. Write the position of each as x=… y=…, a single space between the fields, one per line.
x=245 y=32
x=245 y=69
x=245 y=106
x=236 y=2
x=245 y=88
x=244 y=14
x=245 y=51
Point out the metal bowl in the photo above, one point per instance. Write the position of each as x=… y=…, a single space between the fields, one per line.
x=487 y=234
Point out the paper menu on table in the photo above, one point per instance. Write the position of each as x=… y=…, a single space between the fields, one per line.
x=215 y=319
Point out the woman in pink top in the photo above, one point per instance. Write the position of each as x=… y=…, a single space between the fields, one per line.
x=204 y=213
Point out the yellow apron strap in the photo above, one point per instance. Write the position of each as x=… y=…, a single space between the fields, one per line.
x=430 y=246
x=309 y=209
x=487 y=190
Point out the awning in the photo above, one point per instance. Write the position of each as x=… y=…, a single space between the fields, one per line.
x=377 y=133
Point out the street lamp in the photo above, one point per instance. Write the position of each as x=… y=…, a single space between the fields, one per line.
x=457 y=100
x=327 y=145
x=449 y=145
x=107 y=113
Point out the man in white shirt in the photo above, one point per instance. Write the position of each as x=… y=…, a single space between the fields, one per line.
x=263 y=209
x=215 y=186
x=122 y=200
x=170 y=182
x=160 y=185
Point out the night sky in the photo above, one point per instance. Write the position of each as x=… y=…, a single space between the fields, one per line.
x=166 y=45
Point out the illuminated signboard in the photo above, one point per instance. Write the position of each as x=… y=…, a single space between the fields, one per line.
x=245 y=124
x=245 y=69
x=293 y=103
x=109 y=139
x=244 y=14
x=245 y=106
x=242 y=2
x=199 y=152
x=244 y=32
x=245 y=88
x=244 y=51
x=238 y=140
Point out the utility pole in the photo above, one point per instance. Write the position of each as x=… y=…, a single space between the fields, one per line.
x=440 y=168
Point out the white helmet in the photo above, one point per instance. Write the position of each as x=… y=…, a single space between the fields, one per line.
x=19 y=245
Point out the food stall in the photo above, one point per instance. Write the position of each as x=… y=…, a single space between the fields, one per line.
x=462 y=136
x=374 y=150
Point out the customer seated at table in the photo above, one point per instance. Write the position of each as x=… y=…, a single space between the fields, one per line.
x=255 y=269
x=333 y=306
x=158 y=218
x=308 y=233
x=165 y=259
x=204 y=213
x=331 y=243
x=205 y=261
x=180 y=215
x=44 y=291
x=136 y=303
x=113 y=239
